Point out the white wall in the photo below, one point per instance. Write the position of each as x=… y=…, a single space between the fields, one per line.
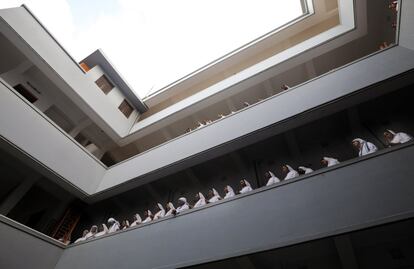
x=23 y=247
x=40 y=48
x=115 y=96
x=31 y=132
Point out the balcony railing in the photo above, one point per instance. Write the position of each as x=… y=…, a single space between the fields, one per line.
x=355 y=194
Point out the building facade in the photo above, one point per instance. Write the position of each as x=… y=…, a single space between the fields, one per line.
x=78 y=147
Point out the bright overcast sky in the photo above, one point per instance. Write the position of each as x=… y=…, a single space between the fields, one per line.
x=155 y=42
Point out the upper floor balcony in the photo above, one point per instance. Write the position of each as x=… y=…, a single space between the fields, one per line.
x=368 y=191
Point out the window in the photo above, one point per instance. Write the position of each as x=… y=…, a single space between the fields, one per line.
x=126 y=108
x=104 y=83
x=25 y=93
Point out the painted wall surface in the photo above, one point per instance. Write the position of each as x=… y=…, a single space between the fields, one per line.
x=281 y=107
x=23 y=126
x=115 y=95
x=20 y=249
x=62 y=71
x=354 y=195
x=49 y=94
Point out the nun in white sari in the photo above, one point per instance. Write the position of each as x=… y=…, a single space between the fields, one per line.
x=92 y=232
x=304 y=170
x=328 y=161
x=271 y=178
x=113 y=225
x=148 y=216
x=160 y=213
x=229 y=192
x=183 y=205
x=170 y=208
x=201 y=200
x=83 y=238
x=137 y=220
x=246 y=187
x=397 y=138
x=363 y=147
x=125 y=224
x=214 y=196
x=289 y=171
x=102 y=231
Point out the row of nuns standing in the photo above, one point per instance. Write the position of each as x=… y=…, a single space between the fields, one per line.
x=362 y=146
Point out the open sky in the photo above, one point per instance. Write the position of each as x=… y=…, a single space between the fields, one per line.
x=155 y=42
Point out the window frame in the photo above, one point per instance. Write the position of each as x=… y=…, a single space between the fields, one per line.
x=126 y=105
x=105 y=82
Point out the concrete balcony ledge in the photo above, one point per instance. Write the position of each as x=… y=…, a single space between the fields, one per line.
x=258 y=190
x=23 y=247
x=378 y=186
x=6 y=221
x=367 y=191
x=39 y=138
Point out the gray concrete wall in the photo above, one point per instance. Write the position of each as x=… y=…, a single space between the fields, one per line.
x=26 y=128
x=42 y=50
x=22 y=247
x=356 y=194
x=115 y=95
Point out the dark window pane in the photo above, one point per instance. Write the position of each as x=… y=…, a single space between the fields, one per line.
x=105 y=85
x=126 y=108
x=25 y=93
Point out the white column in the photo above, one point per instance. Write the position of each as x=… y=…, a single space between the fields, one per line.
x=17 y=194
x=95 y=150
x=99 y=153
x=80 y=127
